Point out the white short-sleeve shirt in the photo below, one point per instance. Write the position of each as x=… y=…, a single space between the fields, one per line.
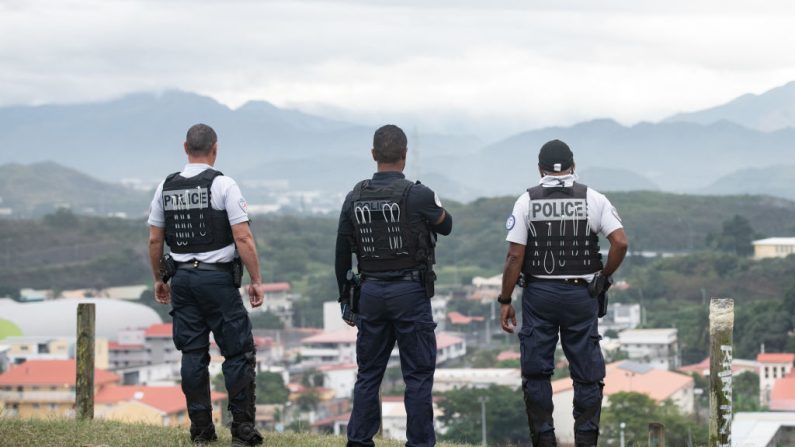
x=602 y=216
x=224 y=194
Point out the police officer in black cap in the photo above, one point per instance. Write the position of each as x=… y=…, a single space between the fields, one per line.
x=554 y=244
x=391 y=224
x=203 y=218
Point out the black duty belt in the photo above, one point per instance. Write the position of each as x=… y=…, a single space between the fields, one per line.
x=198 y=265
x=570 y=281
x=410 y=276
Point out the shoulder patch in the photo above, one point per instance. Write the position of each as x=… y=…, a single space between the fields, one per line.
x=243 y=205
x=436 y=200
x=510 y=223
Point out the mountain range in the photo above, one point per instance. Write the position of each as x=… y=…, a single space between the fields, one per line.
x=738 y=147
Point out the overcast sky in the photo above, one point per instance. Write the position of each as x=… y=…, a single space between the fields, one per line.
x=455 y=66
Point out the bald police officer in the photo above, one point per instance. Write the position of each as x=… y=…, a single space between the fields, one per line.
x=553 y=233
x=391 y=224
x=202 y=216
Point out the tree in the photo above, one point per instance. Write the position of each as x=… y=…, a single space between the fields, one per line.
x=637 y=411
x=265 y=320
x=745 y=393
x=271 y=388
x=735 y=237
x=506 y=422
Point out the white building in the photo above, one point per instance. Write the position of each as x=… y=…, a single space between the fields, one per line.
x=656 y=347
x=623 y=376
x=278 y=300
x=620 y=316
x=772 y=367
x=393 y=417
x=339 y=378
x=446 y=379
x=771 y=429
x=774 y=247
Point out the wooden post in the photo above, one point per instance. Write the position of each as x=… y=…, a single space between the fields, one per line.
x=656 y=434
x=84 y=391
x=721 y=325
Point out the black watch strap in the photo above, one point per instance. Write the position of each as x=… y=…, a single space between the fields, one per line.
x=503 y=300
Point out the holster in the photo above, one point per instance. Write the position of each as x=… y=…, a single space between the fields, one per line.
x=237 y=272
x=167 y=267
x=428 y=278
x=602 y=304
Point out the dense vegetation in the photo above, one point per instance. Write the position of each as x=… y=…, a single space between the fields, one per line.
x=64 y=251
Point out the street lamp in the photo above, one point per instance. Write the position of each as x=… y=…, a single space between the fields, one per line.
x=623 y=426
x=483 y=400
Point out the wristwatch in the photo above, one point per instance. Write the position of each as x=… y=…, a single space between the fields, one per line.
x=501 y=300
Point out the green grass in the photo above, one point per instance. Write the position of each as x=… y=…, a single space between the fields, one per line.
x=8 y=329
x=70 y=433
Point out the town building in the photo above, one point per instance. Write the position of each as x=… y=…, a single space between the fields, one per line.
x=447 y=379
x=160 y=344
x=624 y=376
x=739 y=366
x=339 y=378
x=768 y=429
x=45 y=388
x=782 y=396
x=23 y=348
x=278 y=300
x=153 y=405
x=620 y=316
x=772 y=367
x=774 y=247
x=656 y=347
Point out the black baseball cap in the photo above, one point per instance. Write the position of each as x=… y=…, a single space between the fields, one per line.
x=555 y=156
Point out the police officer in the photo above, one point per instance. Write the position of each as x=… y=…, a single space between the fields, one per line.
x=391 y=224
x=202 y=216
x=553 y=234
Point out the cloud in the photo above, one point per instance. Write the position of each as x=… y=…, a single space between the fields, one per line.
x=495 y=69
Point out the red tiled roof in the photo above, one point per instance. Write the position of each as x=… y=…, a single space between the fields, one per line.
x=782 y=397
x=273 y=287
x=330 y=421
x=445 y=340
x=168 y=399
x=51 y=372
x=345 y=335
x=114 y=346
x=337 y=367
x=508 y=355
x=656 y=383
x=773 y=357
x=159 y=330
x=459 y=318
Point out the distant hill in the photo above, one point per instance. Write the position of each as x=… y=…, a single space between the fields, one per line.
x=608 y=179
x=772 y=110
x=772 y=180
x=676 y=156
x=40 y=188
x=140 y=136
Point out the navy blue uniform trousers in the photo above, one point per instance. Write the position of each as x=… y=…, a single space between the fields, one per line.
x=205 y=301
x=550 y=308
x=391 y=311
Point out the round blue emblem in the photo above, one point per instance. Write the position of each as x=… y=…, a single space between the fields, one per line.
x=510 y=223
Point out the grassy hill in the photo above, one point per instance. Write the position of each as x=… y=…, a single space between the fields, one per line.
x=28 y=433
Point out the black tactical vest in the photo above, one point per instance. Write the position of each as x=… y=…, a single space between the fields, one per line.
x=192 y=225
x=384 y=239
x=560 y=241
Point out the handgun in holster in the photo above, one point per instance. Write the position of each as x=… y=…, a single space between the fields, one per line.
x=349 y=300
x=237 y=272
x=598 y=289
x=428 y=278
x=167 y=267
